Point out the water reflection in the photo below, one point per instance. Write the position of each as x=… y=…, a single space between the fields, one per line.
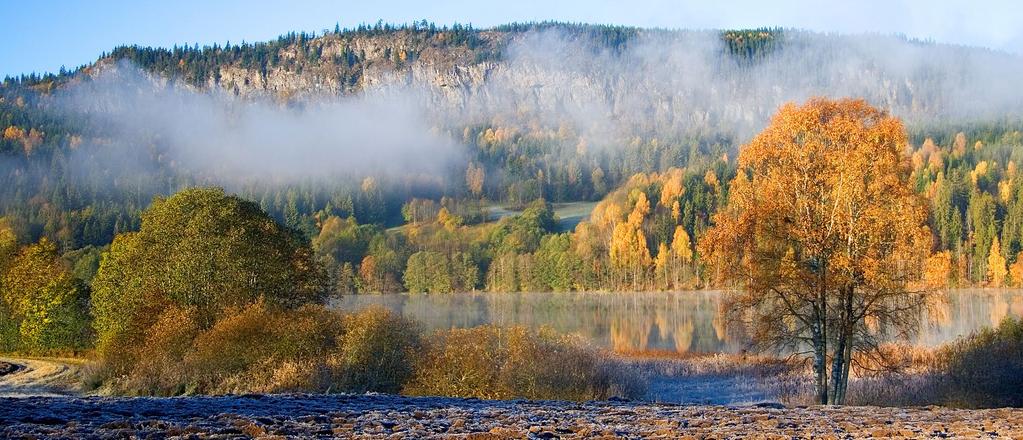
x=670 y=321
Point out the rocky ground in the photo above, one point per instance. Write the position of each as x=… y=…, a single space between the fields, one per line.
x=8 y=368
x=38 y=399
x=385 y=416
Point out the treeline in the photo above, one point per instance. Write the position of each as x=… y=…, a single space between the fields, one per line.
x=642 y=236
x=211 y=295
x=63 y=179
x=976 y=207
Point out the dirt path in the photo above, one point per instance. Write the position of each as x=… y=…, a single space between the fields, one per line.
x=40 y=377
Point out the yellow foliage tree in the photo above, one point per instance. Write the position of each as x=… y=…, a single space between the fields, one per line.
x=682 y=254
x=448 y=220
x=662 y=263
x=938 y=269
x=824 y=233
x=959 y=147
x=996 y=270
x=1016 y=271
x=672 y=188
x=474 y=176
x=14 y=133
x=681 y=245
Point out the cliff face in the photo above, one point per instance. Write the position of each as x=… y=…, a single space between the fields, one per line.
x=652 y=84
x=400 y=58
x=593 y=85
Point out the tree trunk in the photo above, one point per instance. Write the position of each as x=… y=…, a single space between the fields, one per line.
x=820 y=368
x=845 y=372
x=837 y=364
x=843 y=349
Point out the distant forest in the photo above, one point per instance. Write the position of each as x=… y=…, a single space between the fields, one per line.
x=60 y=179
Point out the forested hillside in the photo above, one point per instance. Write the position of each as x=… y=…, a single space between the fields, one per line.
x=435 y=124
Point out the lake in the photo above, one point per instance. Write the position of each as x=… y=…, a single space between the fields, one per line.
x=661 y=321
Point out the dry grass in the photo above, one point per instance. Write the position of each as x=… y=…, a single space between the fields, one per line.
x=984 y=370
x=716 y=364
x=502 y=363
x=259 y=349
x=267 y=350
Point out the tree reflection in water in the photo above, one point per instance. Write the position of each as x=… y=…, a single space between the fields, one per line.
x=657 y=321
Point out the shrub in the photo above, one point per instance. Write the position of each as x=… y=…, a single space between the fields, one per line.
x=377 y=352
x=501 y=363
x=233 y=345
x=261 y=348
x=986 y=369
x=159 y=369
x=983 y=370
x=45 y=303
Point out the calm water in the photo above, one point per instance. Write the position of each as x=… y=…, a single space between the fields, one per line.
x=672 y=321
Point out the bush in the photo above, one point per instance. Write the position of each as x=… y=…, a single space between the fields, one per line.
x=378 y=351
x=264 y=349
x=267 y=350
x=43 y=308
x=502 y=363
x=159 y=368
x=986 y=369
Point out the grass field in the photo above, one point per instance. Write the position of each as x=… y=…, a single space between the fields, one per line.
x=569 y=214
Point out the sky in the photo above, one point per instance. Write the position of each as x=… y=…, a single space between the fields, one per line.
x=43 y=35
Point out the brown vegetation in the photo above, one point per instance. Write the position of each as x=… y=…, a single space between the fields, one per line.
x=312 y=349
x=502 y=363
x=984 y=370
x=262 y=349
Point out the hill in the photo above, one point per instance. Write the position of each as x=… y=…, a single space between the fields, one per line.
x=361 y=122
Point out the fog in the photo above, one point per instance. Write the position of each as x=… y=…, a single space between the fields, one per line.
x=670 y=84
x=666 y=85
x=229 y=139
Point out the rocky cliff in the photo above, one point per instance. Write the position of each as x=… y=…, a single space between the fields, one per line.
x=639 y=83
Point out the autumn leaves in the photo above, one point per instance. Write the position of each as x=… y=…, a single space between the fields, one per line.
x=824 y=235
x=633 y=223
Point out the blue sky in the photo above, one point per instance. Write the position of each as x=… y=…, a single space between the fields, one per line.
x=43 y=35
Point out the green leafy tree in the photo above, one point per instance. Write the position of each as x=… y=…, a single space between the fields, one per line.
x=49 y=306
x=556 y=265
x=982 y=232
x=434 y=272
x=204 y=251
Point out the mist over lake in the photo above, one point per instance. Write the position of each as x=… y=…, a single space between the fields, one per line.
x=681 y=322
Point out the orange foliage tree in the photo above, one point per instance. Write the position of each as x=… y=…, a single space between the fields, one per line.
x=823 y=234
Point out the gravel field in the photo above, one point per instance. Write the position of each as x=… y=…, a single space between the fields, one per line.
x=386 y=416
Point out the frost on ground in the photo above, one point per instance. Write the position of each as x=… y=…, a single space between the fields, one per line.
x=378 y=416
x=719 y=379
x=39 y=377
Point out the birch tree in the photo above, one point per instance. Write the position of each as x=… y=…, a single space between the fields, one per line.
x=822 y=234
